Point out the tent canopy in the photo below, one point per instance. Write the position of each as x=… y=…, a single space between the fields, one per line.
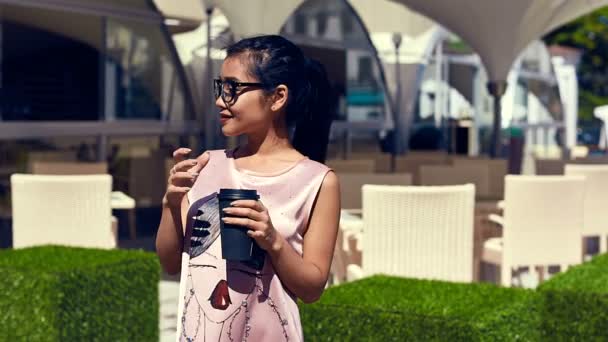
x=499 y=30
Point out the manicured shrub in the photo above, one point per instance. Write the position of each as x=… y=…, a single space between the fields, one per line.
x=54 y=293
x=382 y=308
x=575 y=303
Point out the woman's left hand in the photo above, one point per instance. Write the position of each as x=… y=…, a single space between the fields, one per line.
x=254 y=216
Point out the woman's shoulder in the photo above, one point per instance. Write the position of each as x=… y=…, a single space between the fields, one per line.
x=315 y=168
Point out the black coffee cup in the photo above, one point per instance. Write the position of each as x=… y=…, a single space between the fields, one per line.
x=236 y=244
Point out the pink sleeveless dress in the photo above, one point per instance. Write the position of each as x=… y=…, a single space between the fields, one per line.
x=228 y=301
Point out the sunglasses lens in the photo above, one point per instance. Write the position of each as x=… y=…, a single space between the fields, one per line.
x=228 y=91
x=217 y=88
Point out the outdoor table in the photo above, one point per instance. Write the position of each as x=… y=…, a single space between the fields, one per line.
x=121 y=201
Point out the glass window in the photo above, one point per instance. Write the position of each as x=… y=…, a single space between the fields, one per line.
x=65 y=65
x=141 y=79
x=50 y=70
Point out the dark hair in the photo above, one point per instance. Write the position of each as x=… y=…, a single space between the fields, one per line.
x=274 y=60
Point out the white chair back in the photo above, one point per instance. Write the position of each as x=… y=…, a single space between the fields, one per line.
x=419 y=232
x=543 y=219
x=596 y=199
x=62 y=210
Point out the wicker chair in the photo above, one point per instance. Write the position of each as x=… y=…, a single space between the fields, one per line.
x=352 y=165
x=419 y=232
x=542 y=225
x=62 y=210
x=596 y=199
x=549 y=167
x=411 y=162
x=457 y=175
x=69 y=168
x=497 y=169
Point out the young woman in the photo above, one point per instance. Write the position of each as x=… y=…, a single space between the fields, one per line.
x=266 y=88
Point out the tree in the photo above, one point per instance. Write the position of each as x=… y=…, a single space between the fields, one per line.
x=589 y=33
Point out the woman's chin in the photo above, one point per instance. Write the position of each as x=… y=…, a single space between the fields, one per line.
x=227 y=131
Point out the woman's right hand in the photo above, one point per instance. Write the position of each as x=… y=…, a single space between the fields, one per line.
x=182 y=176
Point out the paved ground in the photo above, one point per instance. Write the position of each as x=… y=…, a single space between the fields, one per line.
x=168 y=290
x=168 y=309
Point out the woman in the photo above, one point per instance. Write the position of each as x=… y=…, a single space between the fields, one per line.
x=267 y=86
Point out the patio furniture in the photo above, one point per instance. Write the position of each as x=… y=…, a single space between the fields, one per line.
x=411 y=162
x=68 y=168
x=48 y=156
x=591 y=160
x=542 y=225
x=595 y=202
x=456 y=175
x=143 y=178
x=121 y=201
x=382 y=161
x=352 y=165
x=348 y=249
x=418 y=232
x=547 y=167
x=351 y=184
x=497 y=170
x=62 y=210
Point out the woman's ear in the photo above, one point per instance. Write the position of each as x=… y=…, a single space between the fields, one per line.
x=279 y=98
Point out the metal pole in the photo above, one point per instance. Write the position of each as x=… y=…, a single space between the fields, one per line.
x=496 y=89
x=397 y=129
x=210 y=120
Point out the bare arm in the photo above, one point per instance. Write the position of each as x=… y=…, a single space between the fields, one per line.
x=304 y=275
x=170 y=235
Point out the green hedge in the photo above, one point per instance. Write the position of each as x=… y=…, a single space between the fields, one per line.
x=575 y=303
x=385 y=308
x=75 y=294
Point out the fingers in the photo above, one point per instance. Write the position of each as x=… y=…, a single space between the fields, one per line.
x=184 y=165
x=252 y=204
x=182 y=179
x=202 y=161
x=180 y=154
x=246 y=213
x=172 y=189
x=245 y=222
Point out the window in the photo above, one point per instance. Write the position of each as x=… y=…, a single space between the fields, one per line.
x=300 y=24
x=64 y=65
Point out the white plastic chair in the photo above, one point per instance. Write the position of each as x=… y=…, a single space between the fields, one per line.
x=62 y=210
x=596 y=200
x=417 y=232
x=542 y=224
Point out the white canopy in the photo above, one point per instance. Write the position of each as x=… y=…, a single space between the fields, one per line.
x=499 y=30
x=382 y=19
x=252 y=17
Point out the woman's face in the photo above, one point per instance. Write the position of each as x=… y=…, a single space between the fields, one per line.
x=249 y=110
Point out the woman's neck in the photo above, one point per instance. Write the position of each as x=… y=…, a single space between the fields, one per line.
x=269 y=143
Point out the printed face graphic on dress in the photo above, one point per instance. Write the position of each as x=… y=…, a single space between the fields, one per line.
x=222 y=297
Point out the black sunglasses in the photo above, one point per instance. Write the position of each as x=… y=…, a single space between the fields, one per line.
x=227 y=89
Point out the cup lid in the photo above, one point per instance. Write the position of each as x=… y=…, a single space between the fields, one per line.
x=238 y=194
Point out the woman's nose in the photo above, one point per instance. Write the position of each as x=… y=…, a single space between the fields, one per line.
x=220 y=103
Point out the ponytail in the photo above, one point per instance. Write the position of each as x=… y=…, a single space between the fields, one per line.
x=312 y=126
